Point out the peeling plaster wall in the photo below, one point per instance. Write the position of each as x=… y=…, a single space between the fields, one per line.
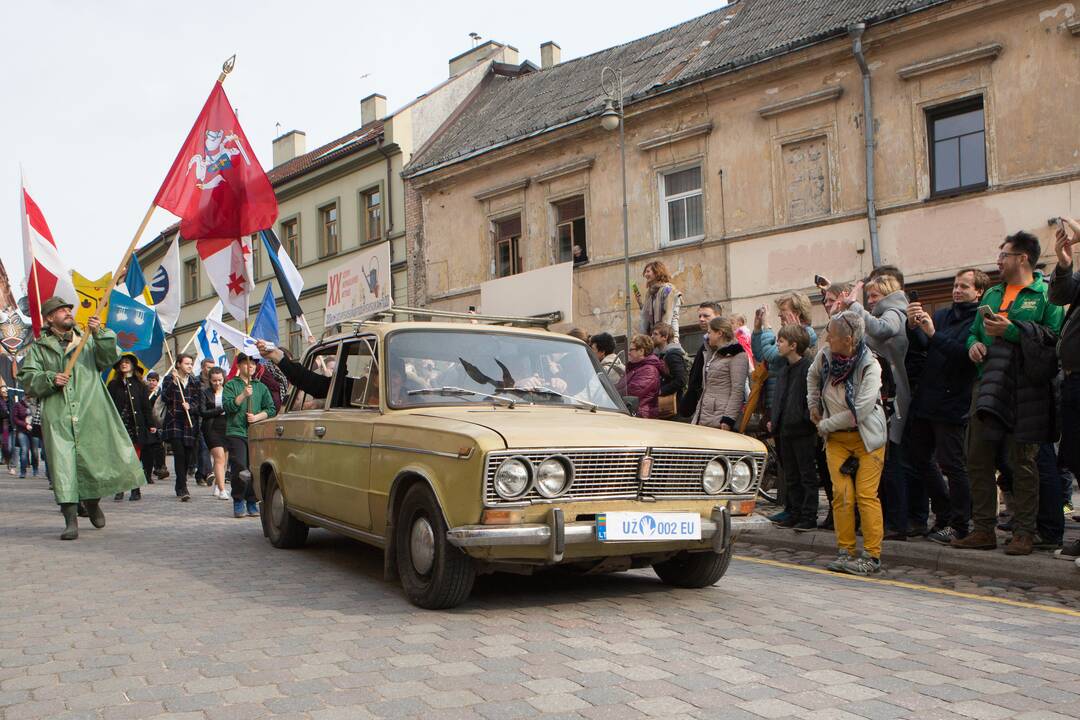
x=752 y=249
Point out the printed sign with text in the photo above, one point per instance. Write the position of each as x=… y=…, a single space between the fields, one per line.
x=360 y=287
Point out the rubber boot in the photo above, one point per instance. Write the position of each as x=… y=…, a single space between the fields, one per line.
x=71 y=519
x=82 y=509
x=136 y=495
x=94 y=512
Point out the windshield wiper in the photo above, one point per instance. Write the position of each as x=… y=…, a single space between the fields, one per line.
x=450 y=390
x=544 y=390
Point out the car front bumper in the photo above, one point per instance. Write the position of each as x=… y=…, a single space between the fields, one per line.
x=719 y=528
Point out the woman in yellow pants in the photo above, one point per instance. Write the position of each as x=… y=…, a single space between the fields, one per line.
x=844 y=397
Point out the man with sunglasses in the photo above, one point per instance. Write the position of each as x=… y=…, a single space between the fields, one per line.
x=1012 y=401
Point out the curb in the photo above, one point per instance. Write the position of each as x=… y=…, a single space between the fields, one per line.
x=1039 y=568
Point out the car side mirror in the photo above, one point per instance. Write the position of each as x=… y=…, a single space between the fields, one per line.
x=632 y=403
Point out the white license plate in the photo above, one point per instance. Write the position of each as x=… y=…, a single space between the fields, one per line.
x=648 y=527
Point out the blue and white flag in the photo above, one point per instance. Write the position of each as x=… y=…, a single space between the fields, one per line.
x=208 y=342
x=165 y=287
x=266 y=322
x=132 y=322
x=243 y=343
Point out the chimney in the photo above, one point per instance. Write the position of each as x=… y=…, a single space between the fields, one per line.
x=490 y=50
x=372 y=108
x=291 y=145
x=550 y=55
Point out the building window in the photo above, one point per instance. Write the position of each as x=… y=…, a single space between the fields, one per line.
x=256 y=256
x=507 y=246
x=191 y=280
x=957 y=137
x=570 y=230
x=682 y=205
x=371 y=206
x=290 y=239
x=328 y=237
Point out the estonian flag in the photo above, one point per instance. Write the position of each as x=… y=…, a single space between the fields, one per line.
x=289 y=280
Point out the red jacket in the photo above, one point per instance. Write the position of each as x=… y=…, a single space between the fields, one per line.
x=642 y=380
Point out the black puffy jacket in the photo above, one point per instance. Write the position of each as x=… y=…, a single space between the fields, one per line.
x=947 y=375
x=1016 y=394
x=790 y=412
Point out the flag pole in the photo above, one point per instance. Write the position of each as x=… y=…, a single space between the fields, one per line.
x=193 y=336
x=176 y=379
x=112 y=286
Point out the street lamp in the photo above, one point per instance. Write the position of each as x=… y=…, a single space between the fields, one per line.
x=613 y=117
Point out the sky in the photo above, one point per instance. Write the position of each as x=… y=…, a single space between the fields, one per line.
x=99 y=96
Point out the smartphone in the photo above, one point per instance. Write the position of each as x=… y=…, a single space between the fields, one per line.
x=820 y=281
x=634 y=287
x=985 y=312
x=913 y=296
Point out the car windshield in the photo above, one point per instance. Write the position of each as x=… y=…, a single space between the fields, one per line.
x=447 y=367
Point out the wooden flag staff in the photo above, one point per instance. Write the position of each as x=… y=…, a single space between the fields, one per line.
x=226 y=68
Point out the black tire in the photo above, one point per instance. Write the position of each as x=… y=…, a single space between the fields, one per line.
x=446 y=578
x=694 y=570
x=283 y=529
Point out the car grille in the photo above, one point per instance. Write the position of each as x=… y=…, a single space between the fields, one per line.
x=677 y=473
x=612 y=474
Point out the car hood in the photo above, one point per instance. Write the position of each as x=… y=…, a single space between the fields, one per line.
x=534 y=427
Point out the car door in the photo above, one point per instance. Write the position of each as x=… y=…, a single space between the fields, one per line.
x=342 y=442
x=295 y=431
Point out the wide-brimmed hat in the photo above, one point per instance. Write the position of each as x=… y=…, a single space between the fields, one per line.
x=53 y=304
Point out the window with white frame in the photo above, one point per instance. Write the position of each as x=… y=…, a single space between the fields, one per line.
x=682 y=205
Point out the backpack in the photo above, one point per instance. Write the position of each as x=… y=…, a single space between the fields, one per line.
x=158 y=412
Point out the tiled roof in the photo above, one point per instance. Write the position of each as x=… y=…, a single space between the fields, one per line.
x=737 y=35
x=328 y=153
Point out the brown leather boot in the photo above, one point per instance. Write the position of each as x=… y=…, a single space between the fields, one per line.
x=1021 y=544
x=977 y=540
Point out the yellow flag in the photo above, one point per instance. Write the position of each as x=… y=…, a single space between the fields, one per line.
x=91 y=294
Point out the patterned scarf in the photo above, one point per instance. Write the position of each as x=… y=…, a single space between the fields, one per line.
x=840 y=369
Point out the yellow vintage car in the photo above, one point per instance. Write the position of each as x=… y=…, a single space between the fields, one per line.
x=468 y=448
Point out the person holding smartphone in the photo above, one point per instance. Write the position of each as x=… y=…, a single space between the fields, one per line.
x=1011 y=407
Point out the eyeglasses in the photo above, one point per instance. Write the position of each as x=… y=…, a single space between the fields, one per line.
x=1003 y=255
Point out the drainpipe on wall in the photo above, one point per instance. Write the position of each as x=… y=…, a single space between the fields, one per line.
x=856 y=32
x=389 y=195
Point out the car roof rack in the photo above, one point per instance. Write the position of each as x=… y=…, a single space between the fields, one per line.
x=427 y=314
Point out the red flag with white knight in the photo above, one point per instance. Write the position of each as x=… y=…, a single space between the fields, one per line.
x=216 y=185
x=46 y=273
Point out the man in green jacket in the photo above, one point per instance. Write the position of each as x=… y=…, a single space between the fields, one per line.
x=90 y=453
x=246 y=401
x=1020 y=297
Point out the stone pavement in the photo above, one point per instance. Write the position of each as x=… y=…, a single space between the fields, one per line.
x=180 y=611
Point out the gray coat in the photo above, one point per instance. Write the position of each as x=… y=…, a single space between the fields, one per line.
x=723 y=386
x=869 y=415
x=886 y=335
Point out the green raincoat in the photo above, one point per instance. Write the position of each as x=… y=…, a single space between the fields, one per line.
x=90 y=453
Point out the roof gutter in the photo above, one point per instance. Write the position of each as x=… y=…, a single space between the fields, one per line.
x=856 y=32
x=389 y=186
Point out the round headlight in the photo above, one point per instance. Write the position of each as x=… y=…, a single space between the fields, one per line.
x=512 y=478
x=742 y=476
x=715 y=476
x=553 y=477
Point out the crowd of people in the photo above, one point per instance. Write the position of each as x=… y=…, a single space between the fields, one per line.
x=950 y=425
x=915 y=423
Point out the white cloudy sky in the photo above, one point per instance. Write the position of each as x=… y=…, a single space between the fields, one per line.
x=97 y=96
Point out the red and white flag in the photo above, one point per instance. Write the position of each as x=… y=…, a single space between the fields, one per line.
x=46 y=273
x=228 y=264
x=222 y=196
x=216 y=185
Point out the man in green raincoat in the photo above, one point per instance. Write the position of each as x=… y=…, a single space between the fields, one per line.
x=90 y=453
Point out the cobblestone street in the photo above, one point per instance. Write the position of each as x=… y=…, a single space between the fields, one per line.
x=180 y=611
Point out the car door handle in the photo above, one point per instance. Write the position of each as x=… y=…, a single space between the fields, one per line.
x=319 y=431
x=280 y=430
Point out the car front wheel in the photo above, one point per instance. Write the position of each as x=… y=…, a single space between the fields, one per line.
x=435 y=574
x=282 y=528
x=694 y=570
